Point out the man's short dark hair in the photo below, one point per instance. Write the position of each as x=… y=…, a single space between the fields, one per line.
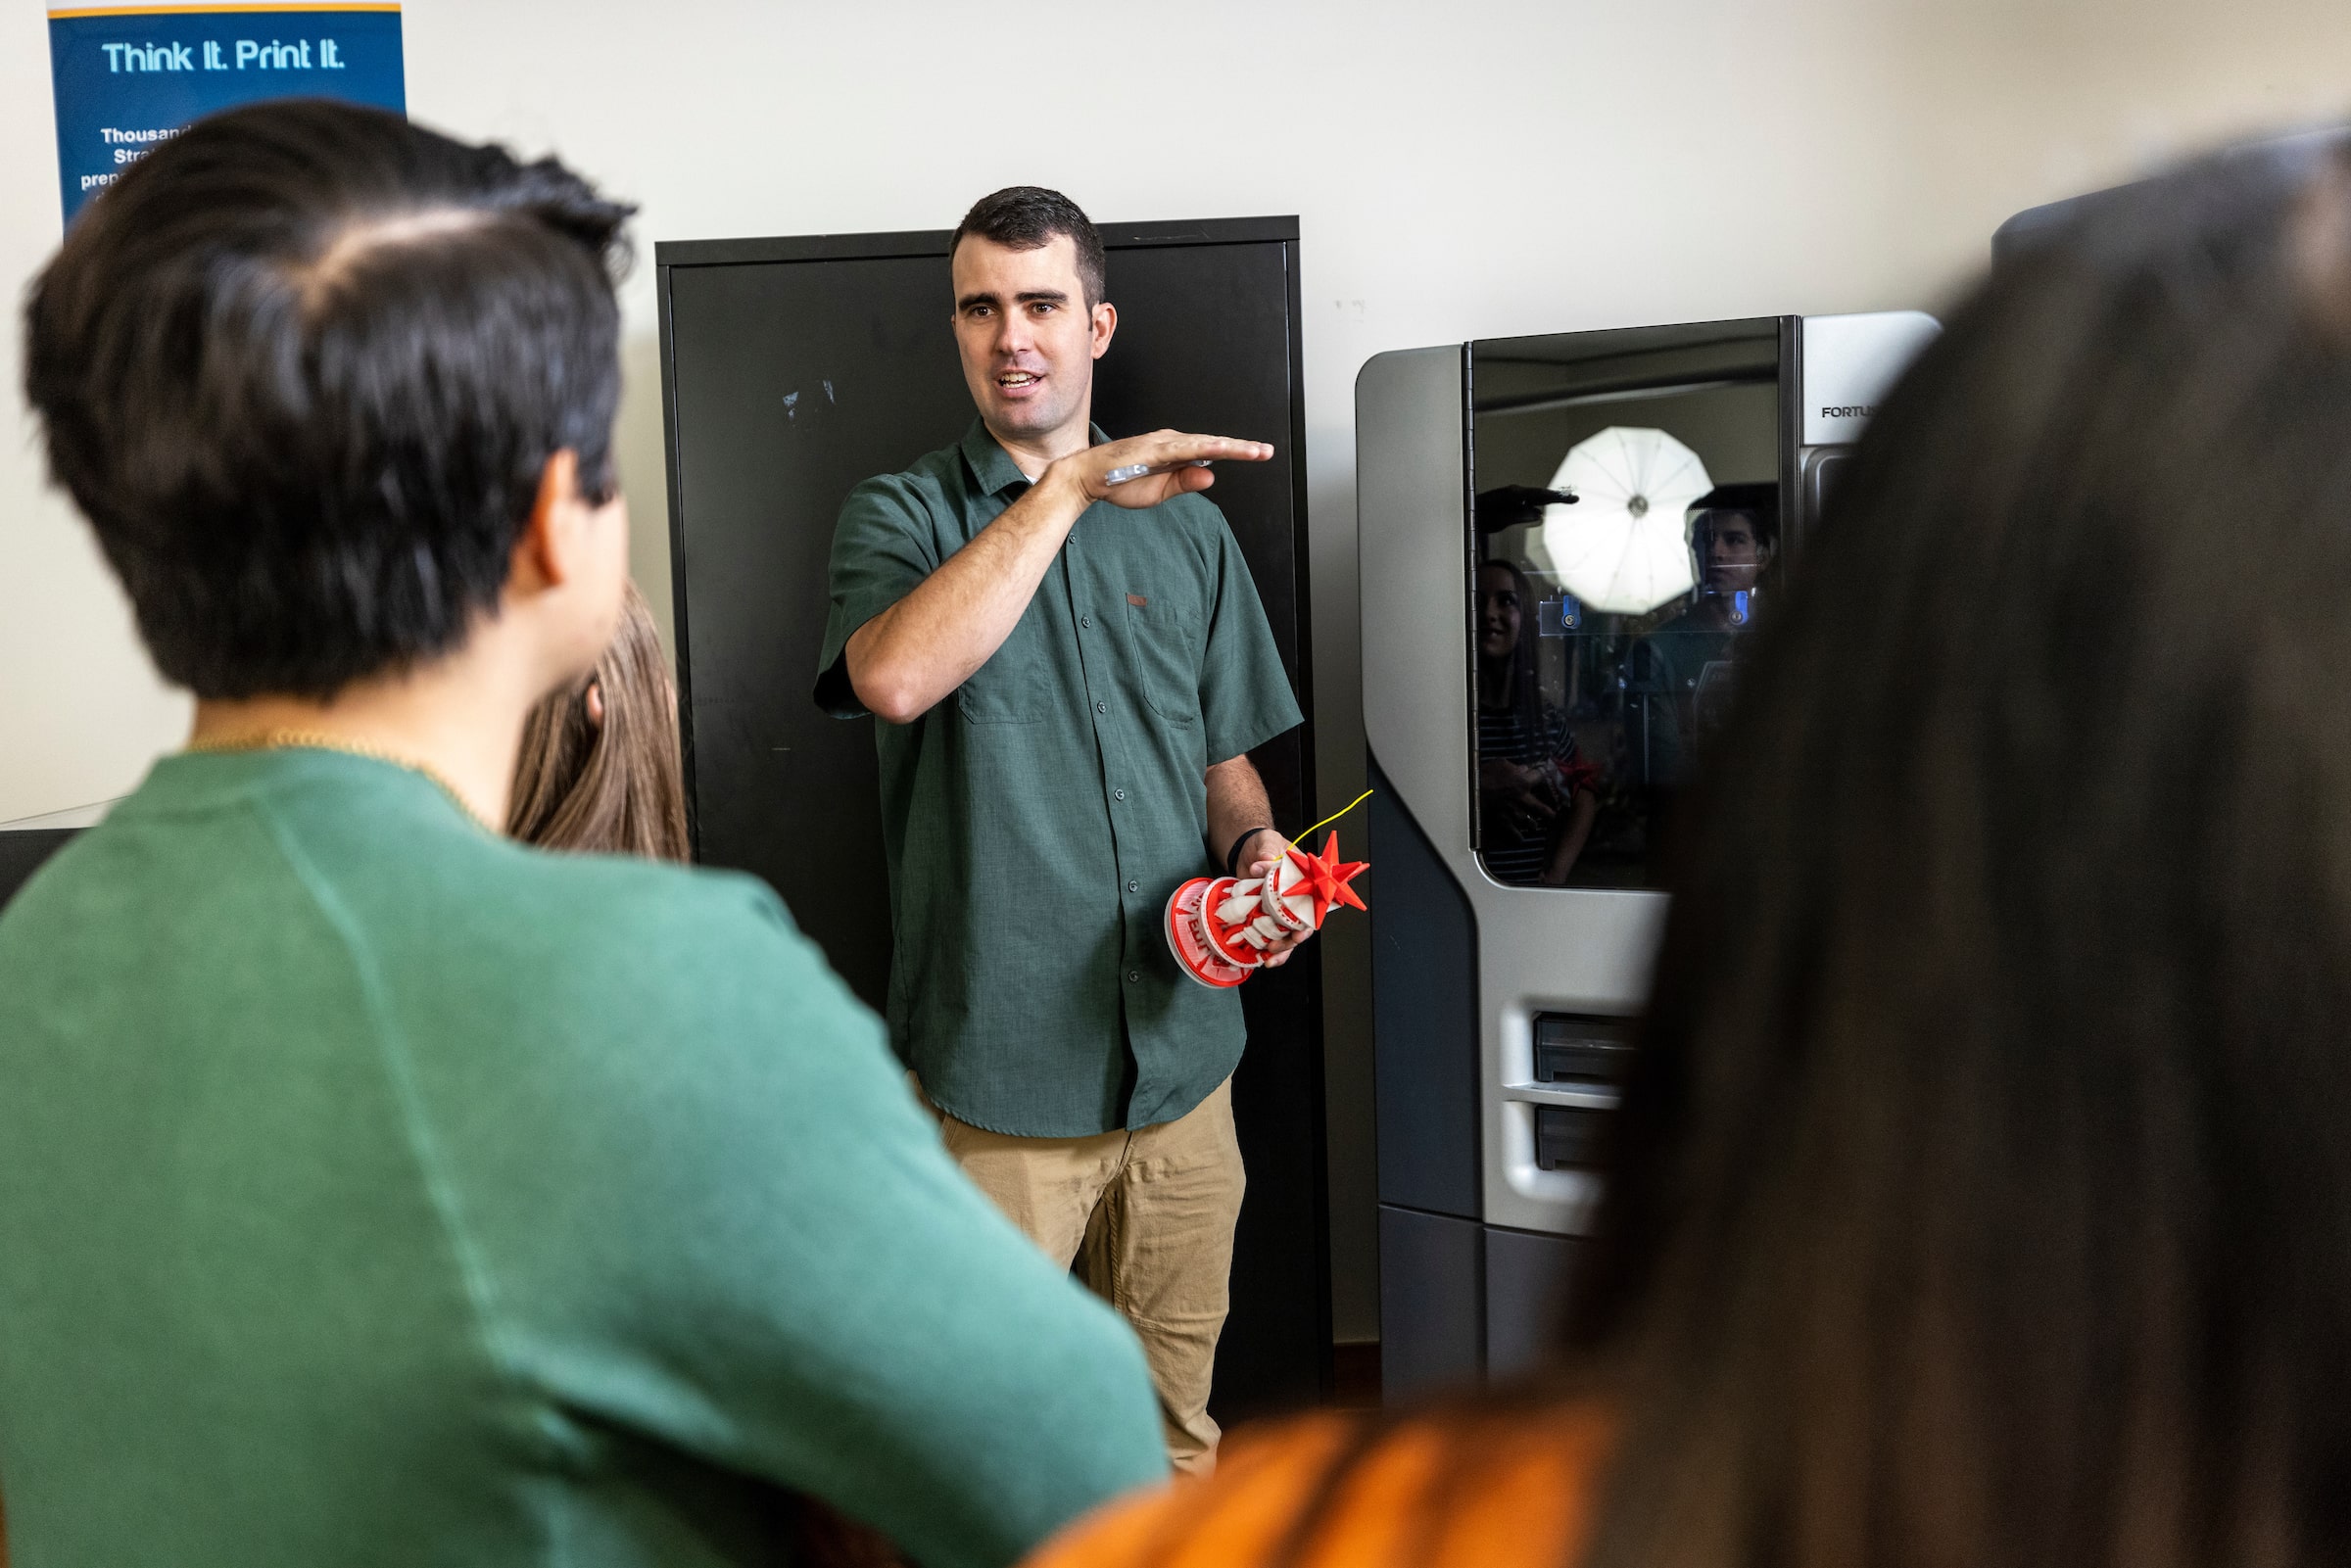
x=1707 y=523
x=1026 y=218
x=302 y=367
x=1757 y=502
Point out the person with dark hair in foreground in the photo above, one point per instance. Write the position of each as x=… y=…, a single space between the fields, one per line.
x=1070 y=673
x=1982 y=1188
x=599 y=769
x=374 y=1189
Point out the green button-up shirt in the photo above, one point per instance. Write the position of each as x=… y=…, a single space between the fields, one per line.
x=1037 y=820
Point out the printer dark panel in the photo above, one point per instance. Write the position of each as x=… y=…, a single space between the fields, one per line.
x=1527 y=1277
x=1424 y=1018
x=1431 y=1301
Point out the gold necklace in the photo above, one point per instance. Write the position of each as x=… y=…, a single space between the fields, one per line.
x=287 y=738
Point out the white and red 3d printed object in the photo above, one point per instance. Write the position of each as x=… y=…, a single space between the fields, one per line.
x=1219 y=927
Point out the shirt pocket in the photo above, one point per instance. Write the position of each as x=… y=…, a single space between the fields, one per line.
x=1163 y=637
x=1012 y=686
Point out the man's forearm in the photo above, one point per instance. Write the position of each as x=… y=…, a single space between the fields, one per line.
x=1237 y=807
x=904 y=660
x=1237 y=803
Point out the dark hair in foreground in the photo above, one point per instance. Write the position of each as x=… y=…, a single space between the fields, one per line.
x=613 y=784
x=1028 y=217
x=302 y=366
x=1983 y=1194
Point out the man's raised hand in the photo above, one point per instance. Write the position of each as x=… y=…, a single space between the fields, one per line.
x=1169 y=460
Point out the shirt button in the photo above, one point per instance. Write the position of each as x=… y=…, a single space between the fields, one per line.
x=1134 y=888
x=1118 y=794
x=1085 y=620
x=1101 y=707
x=1134 y=976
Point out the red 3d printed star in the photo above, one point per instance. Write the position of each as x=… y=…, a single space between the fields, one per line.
x=1327 y=877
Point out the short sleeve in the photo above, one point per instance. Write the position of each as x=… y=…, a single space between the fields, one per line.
x=1245 y=696
x=882 y=546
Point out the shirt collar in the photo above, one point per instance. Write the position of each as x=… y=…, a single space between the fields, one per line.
x=992 y=468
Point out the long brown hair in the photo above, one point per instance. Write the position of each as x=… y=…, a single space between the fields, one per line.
x=614 y=786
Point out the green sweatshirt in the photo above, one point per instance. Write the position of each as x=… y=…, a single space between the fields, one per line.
x=374 y=1190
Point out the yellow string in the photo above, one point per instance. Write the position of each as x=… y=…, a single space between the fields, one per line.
x=1333 y=817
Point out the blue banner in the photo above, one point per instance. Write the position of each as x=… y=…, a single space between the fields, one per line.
x=131 y=76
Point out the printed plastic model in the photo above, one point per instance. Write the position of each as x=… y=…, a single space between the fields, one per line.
x=1219 y=927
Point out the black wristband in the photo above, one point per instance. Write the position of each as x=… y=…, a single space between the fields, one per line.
x=1232 y=856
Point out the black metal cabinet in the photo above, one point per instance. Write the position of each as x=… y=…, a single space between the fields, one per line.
x=794 y=368
x=23 y=850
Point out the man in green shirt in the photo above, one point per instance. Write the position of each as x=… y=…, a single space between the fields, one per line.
x=1069 y=664
x=374 y=1189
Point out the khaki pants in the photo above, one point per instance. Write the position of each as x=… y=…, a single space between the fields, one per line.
x=1147 y=1218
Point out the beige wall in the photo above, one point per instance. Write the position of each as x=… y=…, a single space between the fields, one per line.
x=1474 y=168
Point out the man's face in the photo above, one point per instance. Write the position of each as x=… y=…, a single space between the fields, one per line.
x=1028 y=340
x=1731 y=554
